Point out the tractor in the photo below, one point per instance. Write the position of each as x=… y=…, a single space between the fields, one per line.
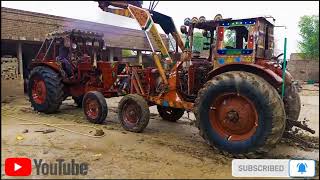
x=74 y=63
x=235 y=92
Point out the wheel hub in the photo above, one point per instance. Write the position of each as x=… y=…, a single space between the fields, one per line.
x=233 y=116
x=132 y=113
x=39 y=91
x=92 y=108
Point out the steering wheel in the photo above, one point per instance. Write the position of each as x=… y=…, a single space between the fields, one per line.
x=276 y=58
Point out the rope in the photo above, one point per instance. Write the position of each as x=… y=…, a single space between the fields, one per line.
x=57 y=126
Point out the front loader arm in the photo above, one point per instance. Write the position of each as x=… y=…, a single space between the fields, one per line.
x=146 y=23
x=145 y=20
x=164 y=21
x=104 y=5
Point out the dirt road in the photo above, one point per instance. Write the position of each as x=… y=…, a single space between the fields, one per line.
x=163 y=150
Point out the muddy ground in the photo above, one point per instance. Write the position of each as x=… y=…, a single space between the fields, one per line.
x=163 y=150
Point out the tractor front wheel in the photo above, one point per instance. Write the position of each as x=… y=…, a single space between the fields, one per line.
x=169 y=113
x=45 y=89
x=133 y=113
x=95 y=107
x=240 y=113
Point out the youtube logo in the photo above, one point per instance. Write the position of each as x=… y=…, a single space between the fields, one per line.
x=18 y=166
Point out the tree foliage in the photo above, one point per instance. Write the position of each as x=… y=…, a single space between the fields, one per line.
x=127 y=53
x=230 y=38
x=198 y=40
x=309 y=31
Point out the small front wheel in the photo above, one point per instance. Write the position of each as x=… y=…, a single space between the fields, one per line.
x=169 y=113
x=133 y=113
x=95 y=107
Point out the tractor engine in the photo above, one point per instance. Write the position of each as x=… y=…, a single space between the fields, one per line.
x=191 y=78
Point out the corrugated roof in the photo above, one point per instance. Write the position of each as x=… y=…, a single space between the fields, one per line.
x=25 y=25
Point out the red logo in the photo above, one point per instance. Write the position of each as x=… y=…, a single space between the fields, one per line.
x=18 y=166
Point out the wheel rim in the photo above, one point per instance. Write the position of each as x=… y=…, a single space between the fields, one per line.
x=233 y=116
x=131 y=113
x=92 y=108
x=39 y=91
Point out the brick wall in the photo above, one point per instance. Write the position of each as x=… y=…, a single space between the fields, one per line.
x=9 y=68
x=304 y=70
x=25 y=25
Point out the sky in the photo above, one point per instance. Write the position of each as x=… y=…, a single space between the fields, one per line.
x=286 y=13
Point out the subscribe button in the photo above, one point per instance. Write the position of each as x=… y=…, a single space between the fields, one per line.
x=273 y=168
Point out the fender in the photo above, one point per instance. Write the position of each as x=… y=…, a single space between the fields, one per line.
x=52 y=64
x=271 y=75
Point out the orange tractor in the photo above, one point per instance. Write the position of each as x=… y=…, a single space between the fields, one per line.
x=235 y=93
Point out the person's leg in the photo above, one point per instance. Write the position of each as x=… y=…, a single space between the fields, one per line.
x=67 y=66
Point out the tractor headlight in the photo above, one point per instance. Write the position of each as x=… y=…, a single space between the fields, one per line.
x=202 y=19
x=74 y=46
x=195 y=20
x=187 y=21
x=89 y=43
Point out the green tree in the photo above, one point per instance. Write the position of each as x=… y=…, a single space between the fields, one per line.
x=230 y=38
x=127 y=53
x=309 y=31
x=198 y=41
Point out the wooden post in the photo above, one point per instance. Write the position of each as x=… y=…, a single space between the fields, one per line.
x=111 y=54
x=139 y=56
x=20 y=60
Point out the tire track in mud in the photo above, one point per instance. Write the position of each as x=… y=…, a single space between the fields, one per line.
x=192 y=144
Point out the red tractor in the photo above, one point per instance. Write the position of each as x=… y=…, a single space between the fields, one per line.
x=73 y=63
x=235 y=92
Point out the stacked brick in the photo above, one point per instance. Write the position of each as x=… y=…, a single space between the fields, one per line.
x=9 y=68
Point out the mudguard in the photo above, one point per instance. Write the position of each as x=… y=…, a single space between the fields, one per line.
x=271 y=72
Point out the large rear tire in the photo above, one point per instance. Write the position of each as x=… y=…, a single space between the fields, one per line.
x=133 y=113
x=169 y=113
x=45 y=89
x=240 y=113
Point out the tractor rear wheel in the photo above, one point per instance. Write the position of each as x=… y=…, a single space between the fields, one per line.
x=133 y=113
x=240 y=113
x=45 y=89
x=78 y=100
x=169 y=113
x=95 y=107
x=292 y=104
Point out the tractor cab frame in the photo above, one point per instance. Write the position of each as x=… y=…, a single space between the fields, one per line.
x=239 y=40
x=88 y=61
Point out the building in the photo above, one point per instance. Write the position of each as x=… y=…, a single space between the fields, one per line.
x=303 y=69
x=22 y=33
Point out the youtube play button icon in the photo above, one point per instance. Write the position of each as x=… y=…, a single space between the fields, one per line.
x=18 y=166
